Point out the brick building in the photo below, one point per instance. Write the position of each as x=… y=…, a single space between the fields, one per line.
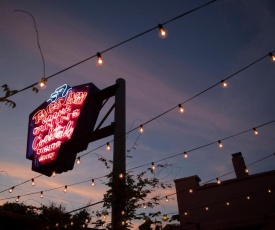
x=244 y=203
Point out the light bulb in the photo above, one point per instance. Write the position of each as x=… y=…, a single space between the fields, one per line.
x=185 y=155
x=99 y=61
x=181 y=109
x=123 y=223
x=224 y=83
x=122 y=213
x=17 y=198
x=255 y=131
x=141 y=129
x=206 y=208
x=190 y=190
x=108 y=147
x=86 y=221
x=272 y=56
x=11 y=189
x=65 y=188
x=153 y=166
x=78 y=160
x=220 y=144
x=248 y=197
x=41 y=194
x=144 y=206
x=33 y=183
x=72 y=223
x=121 y=176
x=166 y=199
x=246 y=170
x=56 y=225
x=218 y=181
x=227 y=203
x=165 y=217
x=42 y=83
x=269 y=190
x=93 y=182
x=53 y=173
x=185 y=213
x=162 y=32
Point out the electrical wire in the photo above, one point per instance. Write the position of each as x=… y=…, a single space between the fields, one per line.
x=112 y=47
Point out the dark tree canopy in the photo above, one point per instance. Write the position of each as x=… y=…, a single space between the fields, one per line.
x=21 y=216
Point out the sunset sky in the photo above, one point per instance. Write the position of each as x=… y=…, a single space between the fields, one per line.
x=202 y=48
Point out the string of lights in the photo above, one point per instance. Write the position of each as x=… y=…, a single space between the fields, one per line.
x=53 y=197
x=98 y=55
x=218 y=181
x=228 y=201
x=152 y=167
x=65 y=187
x=152 y=163
x=219 y=142
x=24 y=182
x=180 y=107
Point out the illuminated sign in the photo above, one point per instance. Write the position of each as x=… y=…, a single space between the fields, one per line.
x=67 y=114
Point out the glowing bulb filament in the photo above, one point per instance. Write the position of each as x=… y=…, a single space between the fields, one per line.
x=255 y=131
x=162 y=32
x=185 y=155
x=108 y=147
x=181 y=109
x=141 y=129
x=224 y=83
x=153 y=166
x=272 y=56
x=11 y=189
x=99 y=60
x=42 y=83
x=165 y=217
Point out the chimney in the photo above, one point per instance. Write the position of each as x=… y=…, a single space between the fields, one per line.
x=239 y=165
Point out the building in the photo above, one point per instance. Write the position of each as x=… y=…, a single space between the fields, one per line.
x=244 y=203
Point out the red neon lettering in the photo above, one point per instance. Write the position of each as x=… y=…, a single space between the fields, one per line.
x=76 y=98
x=40 y=115
x=55 y=105
x=57 y=125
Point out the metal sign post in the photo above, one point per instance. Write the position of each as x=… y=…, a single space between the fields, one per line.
x=119 y=159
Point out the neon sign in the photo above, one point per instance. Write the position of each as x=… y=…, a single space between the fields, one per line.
x=55 y=122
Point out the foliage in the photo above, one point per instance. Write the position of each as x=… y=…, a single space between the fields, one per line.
x=54 y=216
x=138 y=193
x=8 y=94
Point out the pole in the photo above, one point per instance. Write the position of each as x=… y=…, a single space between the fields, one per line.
x=119 y=159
